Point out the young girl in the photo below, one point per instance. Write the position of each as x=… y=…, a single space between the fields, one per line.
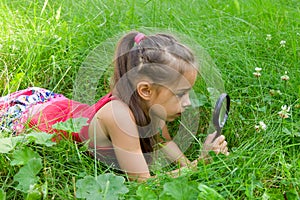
x=152 y=79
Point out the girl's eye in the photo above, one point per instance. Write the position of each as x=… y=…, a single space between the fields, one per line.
x=180 y=94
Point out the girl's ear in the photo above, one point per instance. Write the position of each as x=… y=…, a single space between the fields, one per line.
x=145 y=90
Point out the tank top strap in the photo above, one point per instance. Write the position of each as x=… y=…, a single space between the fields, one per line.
x=104 y=100
x=91 y=112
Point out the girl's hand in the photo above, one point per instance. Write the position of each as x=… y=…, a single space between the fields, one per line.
x=219 y=145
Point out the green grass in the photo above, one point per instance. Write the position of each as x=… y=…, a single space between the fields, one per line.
x=43 y=43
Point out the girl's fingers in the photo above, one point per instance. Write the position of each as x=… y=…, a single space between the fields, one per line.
x=224 y=143
x=219 y=145
x=219 y=140
x=224 y=150
x=217 y=151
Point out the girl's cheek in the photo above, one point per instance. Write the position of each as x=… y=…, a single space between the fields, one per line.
x=158 y=110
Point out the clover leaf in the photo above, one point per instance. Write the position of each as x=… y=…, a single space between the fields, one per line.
x=8 y=144
x=41 y=138
x=146 y=193
x=208 y=192
x=27 y=174
x=71 y=125
x=22 y=156
x=105 y=186
x=180 y=189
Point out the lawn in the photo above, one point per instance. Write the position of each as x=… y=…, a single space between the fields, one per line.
x=254 y=44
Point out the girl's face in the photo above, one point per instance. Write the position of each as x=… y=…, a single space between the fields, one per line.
x=169 y=102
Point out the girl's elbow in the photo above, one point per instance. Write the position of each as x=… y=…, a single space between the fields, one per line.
x=138 y=177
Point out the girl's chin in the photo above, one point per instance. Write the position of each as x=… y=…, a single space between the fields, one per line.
x=170 y=119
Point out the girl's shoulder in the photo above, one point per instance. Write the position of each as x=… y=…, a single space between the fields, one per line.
x=115 y=110
x=117 y=122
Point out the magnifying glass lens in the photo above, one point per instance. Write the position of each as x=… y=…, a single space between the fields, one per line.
x=223 y=113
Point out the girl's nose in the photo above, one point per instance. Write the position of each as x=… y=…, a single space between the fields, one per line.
x=186 y=102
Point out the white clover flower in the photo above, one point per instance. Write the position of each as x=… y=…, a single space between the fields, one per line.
x=285 y=77
x=282 y=43
x=278 y=92
x=284 y=113
x=261 y=126
x=257 y=74
x=258 y=69
x=272 y=92
x=269 y=37
x=275 y=92
x=285 y=108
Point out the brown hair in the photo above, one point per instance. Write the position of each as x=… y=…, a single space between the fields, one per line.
x=159 y=57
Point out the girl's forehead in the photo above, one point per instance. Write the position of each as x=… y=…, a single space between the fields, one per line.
x=188 y=77
x=185 y=81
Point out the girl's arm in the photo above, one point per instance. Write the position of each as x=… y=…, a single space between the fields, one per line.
x=120 y=126
x=171 y=149
x=219 y=145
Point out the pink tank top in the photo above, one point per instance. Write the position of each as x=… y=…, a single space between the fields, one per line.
x=64 y=109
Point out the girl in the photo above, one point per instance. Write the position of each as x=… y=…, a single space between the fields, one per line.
x=152 y=79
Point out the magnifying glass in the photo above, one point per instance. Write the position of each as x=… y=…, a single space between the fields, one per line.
x=220 y=113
